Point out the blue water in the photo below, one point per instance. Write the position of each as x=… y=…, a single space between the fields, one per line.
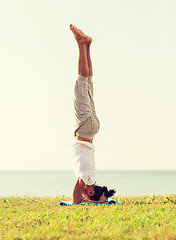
x=59 y=183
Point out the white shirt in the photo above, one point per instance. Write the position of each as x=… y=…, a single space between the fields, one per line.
x=82 y=154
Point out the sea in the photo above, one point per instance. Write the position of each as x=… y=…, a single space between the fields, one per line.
x=61 y=183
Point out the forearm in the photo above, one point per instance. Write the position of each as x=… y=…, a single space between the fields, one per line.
x=77 y=191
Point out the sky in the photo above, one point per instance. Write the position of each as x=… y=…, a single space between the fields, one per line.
x=134 y=58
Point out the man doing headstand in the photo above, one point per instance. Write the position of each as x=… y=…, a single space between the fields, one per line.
x=87 y=125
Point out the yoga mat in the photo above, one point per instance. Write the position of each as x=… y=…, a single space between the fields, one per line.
x=110 y=201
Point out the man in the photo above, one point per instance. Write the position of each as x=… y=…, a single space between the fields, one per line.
x=87 y=125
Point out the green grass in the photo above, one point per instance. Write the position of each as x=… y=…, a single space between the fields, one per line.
x=42 y=218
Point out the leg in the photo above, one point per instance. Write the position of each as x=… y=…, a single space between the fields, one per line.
x=81 y=96
x=87 y=124
x=89 y=59
x=84 y=63
x=83 y=68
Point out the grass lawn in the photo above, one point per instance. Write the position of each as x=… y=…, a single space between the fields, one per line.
x=142 y=217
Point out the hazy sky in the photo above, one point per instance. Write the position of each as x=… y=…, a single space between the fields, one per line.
x=134 y=62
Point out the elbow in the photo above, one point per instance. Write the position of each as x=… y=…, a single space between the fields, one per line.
x=81 y=183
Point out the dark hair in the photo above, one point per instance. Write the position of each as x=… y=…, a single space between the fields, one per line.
x=99 y=191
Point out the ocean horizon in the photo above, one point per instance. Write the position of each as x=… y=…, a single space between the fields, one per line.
x=53 y=183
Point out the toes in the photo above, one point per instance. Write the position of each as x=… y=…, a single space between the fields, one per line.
x=73 y=28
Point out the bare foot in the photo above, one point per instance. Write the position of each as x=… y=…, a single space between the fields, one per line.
x=80 y=36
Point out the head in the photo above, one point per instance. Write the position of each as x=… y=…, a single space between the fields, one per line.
x=88 y=191
x=97 y=193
